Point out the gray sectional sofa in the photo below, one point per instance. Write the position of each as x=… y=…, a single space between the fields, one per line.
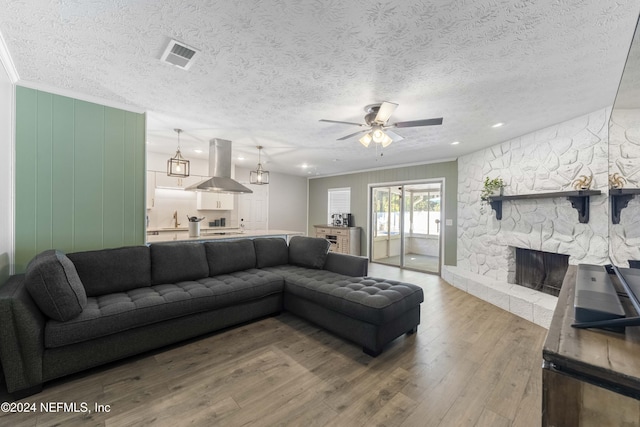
x=72 y=312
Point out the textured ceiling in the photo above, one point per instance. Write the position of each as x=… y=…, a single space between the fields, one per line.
x=269 y=70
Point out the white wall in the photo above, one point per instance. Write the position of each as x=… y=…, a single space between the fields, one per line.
x=287 y=199
x=7 y=91
x=288 y=202
x=548 y=160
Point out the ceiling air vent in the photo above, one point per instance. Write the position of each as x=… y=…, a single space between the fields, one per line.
x=179 y=54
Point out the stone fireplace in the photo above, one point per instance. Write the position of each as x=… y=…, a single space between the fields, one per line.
x=546 y=161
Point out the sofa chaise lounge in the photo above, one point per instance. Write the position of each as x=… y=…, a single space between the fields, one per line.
x=68 y=313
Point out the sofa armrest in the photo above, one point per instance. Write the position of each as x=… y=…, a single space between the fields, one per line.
x=21 y=336
x=349 y=265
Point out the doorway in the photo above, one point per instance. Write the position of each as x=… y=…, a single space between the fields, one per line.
x=405 y=225
x=253 y=208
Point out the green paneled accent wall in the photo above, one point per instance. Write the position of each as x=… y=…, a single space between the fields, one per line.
x=359 y=184
x=80 y=171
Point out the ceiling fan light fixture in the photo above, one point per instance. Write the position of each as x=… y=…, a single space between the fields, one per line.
x=386 y=141
x=259 y=176
x=366 y=139
x=378 y=135
x=376 y=122
x=178 y=165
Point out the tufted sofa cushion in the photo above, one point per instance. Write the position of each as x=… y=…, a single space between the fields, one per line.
x=113 y=313
x=369 y=299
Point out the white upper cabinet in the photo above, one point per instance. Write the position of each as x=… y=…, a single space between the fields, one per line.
x=172 y=182
x=214 y=201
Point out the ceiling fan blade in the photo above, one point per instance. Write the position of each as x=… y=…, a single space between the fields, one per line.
x=414 y=123
x=394 y=136
x=385 y=111
x=344 y=123
x=351 y=135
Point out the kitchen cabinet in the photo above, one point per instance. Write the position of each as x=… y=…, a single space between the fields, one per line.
x=344 y=240
x=214 y=201
x=151 y=189
x=171 y=182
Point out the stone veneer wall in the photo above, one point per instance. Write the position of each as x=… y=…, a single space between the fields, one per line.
x=545 y=161
x=624 y=159
x=548 y=160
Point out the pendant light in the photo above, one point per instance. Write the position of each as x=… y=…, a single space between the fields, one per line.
x=177 y=165
x=259 y=176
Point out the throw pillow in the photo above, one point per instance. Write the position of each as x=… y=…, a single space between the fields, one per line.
x=54 y=284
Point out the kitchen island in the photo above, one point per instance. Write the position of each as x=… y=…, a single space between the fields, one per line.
x=206 y=235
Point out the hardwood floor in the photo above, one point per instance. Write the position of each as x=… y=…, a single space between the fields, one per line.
x=470 y=364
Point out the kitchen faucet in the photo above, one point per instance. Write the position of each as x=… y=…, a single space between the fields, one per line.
x=175 y=219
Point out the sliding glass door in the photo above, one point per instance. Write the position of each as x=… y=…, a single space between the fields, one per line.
x=405 y=225
x=386 y=225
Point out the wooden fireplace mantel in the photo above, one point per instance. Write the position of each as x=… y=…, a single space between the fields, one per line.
x=579 y=200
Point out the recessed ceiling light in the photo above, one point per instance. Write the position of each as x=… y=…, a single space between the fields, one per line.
x=197 y=151
x=497 y=125
x=455 y=143
x=240 y=158
x=304 y=166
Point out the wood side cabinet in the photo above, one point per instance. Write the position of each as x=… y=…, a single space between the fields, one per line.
x=590 y=377
x=344 y=240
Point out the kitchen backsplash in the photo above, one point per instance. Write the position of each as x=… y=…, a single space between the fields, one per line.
x=168 y=201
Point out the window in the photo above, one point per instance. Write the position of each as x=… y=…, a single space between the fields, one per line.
x=422 y=213
x=339 y=202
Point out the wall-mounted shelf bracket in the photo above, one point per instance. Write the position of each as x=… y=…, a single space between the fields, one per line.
x=620 y=198
x=496 y=205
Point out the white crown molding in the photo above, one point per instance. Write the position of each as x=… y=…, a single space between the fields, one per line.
x=7 y=62
x=80 y=96
x=405 y=165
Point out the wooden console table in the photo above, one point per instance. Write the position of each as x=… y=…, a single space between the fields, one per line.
x=590 y=377
x=345 y=240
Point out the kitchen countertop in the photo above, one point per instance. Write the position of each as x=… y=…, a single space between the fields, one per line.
x=172 y=229
x=183 y=235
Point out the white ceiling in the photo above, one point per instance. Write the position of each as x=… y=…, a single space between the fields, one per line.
x=269 y=70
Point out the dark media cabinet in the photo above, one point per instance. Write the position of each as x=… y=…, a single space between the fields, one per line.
x=590 y=377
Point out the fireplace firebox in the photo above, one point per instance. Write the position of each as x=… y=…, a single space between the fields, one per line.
x=542 y=271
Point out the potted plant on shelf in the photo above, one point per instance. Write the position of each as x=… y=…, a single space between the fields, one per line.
x=492 y=187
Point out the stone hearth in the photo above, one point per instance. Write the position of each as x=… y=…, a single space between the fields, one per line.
x=529 y=304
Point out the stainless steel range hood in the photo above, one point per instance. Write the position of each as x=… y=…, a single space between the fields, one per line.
x=220 y=171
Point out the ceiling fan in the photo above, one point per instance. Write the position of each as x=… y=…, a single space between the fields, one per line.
x=377 y=129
